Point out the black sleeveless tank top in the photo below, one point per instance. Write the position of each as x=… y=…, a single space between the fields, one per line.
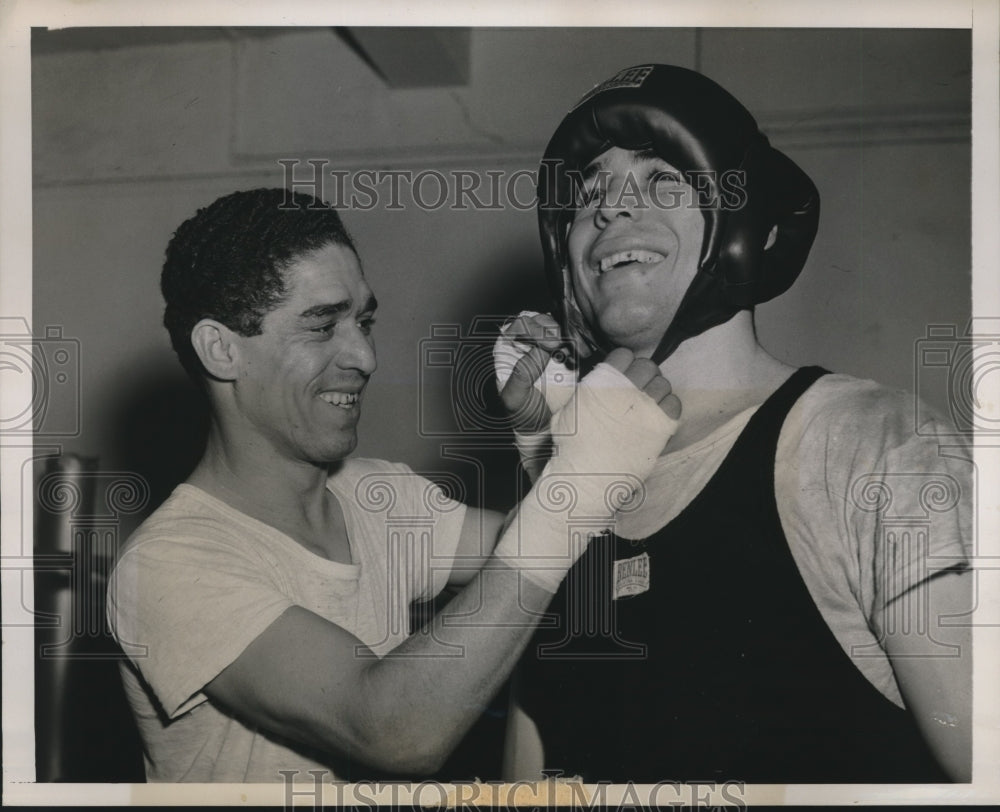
x=723 y=668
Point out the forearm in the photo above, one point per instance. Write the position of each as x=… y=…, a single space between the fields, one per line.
x=405 y=712
x=423 y=697
x=309 y=680
x=523 y=752
x=534 y=451
x=934 y=670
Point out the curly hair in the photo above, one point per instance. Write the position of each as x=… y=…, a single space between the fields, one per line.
x=227 y=262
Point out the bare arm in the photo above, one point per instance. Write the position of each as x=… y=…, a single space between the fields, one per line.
x=310 y=680
x=480 y=532
x=934 y=669
x=523 y=752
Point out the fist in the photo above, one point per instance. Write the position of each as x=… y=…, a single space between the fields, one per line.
x=646 y=377
x=538 y=382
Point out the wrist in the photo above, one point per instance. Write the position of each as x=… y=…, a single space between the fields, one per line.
x=557 y=518
x=534 y=451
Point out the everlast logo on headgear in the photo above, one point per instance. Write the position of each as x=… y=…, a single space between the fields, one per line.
x=630 y=77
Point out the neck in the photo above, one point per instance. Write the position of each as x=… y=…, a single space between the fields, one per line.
x=252 y=478
x=718 y=374
x=722 y=356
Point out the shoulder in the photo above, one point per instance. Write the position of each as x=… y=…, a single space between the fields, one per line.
x=190 y=510
x=379 y=485
x=838 y=402
x=190 y=529
x=841 y=416
x=844 y=431
x=192 y=549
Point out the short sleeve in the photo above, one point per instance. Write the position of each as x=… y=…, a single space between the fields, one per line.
x=413 y=524
x=916 y=508
x=161 y=595
x=889 y=501
x=448 y=517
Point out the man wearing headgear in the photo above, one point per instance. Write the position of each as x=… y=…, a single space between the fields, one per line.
x=749 y=618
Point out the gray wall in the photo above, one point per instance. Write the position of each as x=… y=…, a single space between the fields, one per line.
x=131 y=137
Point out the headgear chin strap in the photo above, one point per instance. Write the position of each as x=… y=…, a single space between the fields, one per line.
x=745 y=188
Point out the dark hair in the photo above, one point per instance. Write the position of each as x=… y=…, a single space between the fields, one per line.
x=227 y=262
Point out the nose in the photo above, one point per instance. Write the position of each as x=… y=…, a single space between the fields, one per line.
x=619 y=199
x=358 y=353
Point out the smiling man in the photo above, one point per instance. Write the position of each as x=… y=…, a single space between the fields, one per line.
x=631 y=273
x=752 y=619
x=264 y=606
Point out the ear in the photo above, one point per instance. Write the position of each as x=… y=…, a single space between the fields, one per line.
x=217 y=348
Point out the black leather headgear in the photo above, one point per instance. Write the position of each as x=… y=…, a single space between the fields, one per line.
x=745 y=185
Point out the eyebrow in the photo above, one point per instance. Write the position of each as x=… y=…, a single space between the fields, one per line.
x=647 y=154
x=338 y=308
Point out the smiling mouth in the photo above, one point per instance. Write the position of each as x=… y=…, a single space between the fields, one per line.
x=345 y=400
x=633 y=257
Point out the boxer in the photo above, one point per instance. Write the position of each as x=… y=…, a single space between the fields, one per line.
x=748 y=619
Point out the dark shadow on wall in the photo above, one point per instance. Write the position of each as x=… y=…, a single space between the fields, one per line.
x=161 y=426
x=84 y=728
x=475 y=441
x=481 y=456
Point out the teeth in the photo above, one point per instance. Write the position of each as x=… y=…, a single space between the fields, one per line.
x=638 y=255
x=343 y=399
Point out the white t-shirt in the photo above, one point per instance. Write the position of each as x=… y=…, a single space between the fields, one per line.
x=870 y=502
x=199 y=581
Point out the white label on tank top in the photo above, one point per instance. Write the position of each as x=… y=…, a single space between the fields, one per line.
x=631 y=576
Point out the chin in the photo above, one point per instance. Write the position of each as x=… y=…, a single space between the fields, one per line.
x=331 y=454
x=641 y=342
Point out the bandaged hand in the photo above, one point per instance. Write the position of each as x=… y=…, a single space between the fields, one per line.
x=533 y=381
x=607 y=439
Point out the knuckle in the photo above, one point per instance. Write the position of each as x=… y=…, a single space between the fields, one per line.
x=658 y=388
x=619 y=357
x=646 y=367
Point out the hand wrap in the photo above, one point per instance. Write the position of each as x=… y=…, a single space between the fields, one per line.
x=557 y=384
x=607 y=439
